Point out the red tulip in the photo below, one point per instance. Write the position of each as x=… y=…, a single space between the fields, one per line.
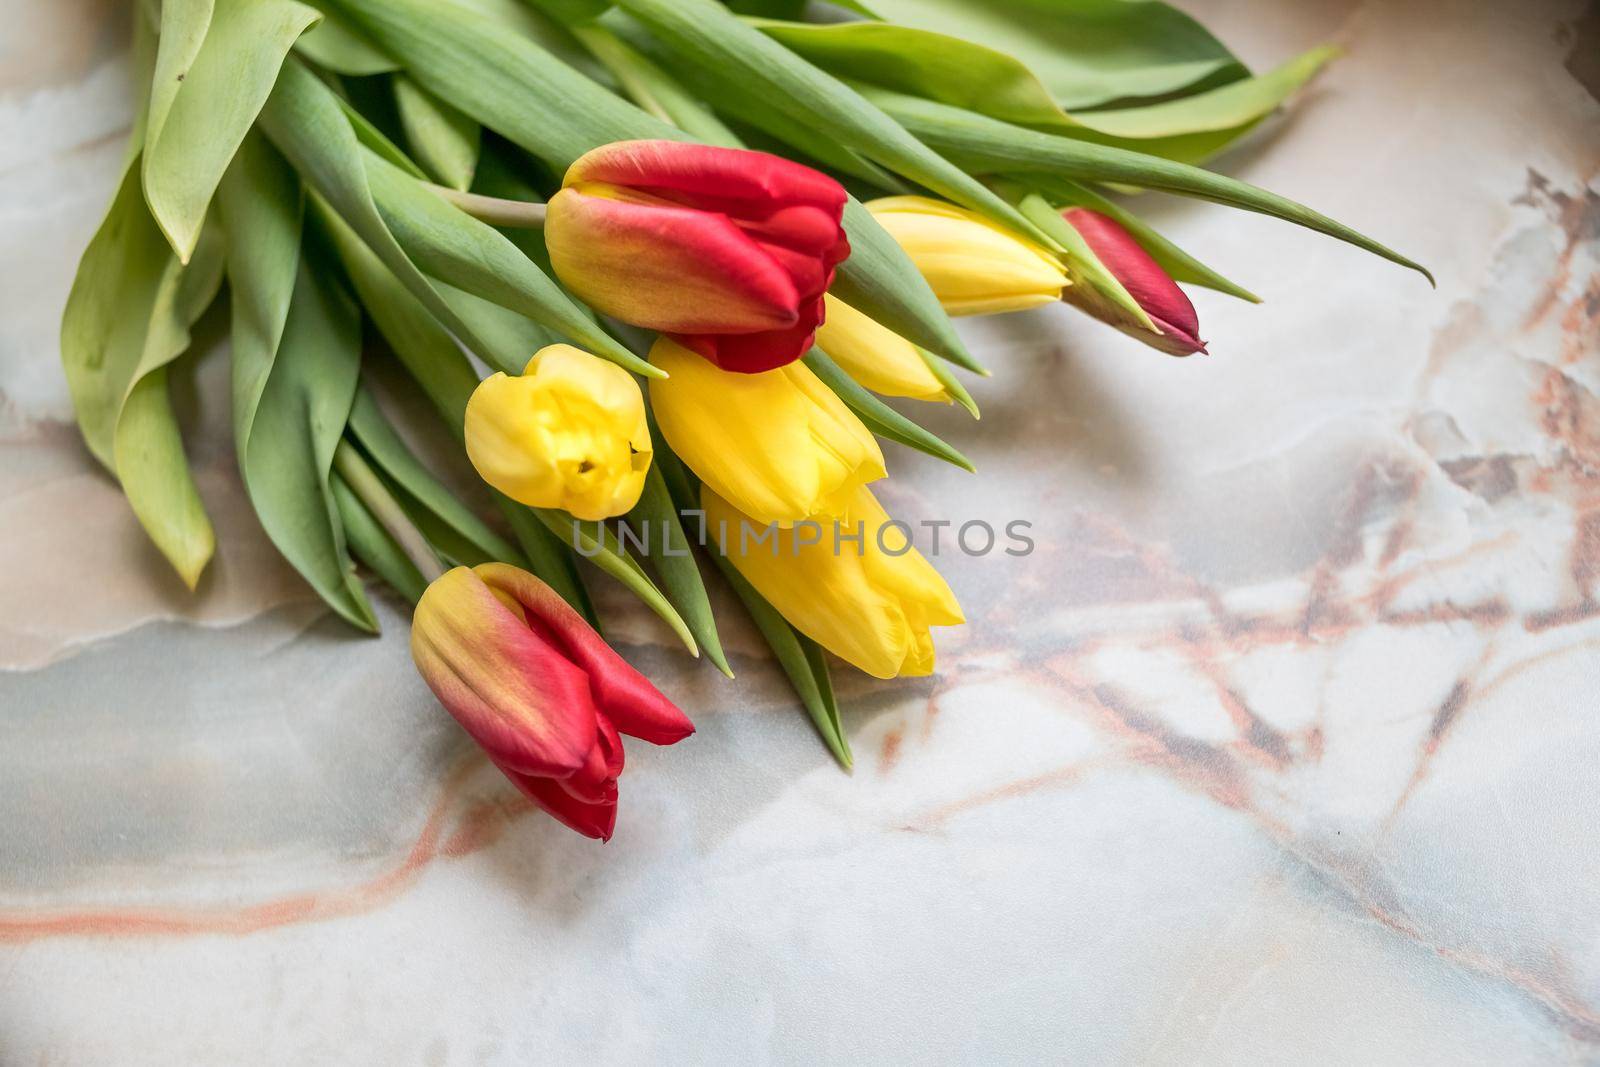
x=1146 y=282
x=727 y=251
x=533 y=684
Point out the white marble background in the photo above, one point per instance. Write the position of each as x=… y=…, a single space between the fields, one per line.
x=1282 y=748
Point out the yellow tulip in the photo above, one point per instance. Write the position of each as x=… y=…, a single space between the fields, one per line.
x=974 y=266
x=569 y=432
x=779 y=444
x=853 y=585
x=876 y=356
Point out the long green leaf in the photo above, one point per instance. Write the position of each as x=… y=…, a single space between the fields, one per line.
x=444 y=140
x=213 y=100
x=801 y=662
x=307 y=123
x=705 y=32
x=1087 y=52
x=879 y=417
x=668 y=551
x=128 y=315
x=595 y=542
x=456 y=248
x=987 y=144
x=335 y=45
x=296 y=360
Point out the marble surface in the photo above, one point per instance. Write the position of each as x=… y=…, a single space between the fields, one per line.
x=1282 y=747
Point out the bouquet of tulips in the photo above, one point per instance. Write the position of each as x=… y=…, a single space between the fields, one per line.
x=655 y=261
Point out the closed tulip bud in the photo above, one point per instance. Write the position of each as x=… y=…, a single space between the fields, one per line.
x=726 y=250
x=780 y=445
x=857 y=588
x=1150 y=286
x=538 y=689
x=569 y=432
x=973 y=266
x=876 y=356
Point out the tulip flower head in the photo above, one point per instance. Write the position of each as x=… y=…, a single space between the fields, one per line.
x=870 y=601
x=569 y=432
x=974 y=266
x=779 y=444
x=538 y=689
x=1145 y=281
x=728 y=251
x=876 y=356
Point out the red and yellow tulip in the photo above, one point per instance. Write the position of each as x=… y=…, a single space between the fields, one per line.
x=533 y=684
x=726 y=250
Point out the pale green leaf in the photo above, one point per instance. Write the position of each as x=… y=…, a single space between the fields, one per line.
x=1086 y=52
x=296 y=359
x=655 y=521
x=210 y=104
x=128 y=315
x=335 y=45
x=441 y=138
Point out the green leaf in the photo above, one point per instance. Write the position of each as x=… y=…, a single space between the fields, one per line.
x=705 y=32
x=507 y=81
x=129 y=314
x=752 y=109
x=444 y=140
x=596 y=543
x=1194 y=128
x=923 y=63
x=380 y=442
x=653 y=89
x=879 y=417
x=801 y=660
x=1175 y=261
x=453 y=246
x=371 y=544
x=986 y=144
x=307 y=123
x=213 y=95
x=335 y=45
x=956 y=391
x=1086 y=52
x=446 y=376
x=668 y=551
x=296 y=359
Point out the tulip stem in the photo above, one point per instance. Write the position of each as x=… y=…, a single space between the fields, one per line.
x=512 y=214
x=369 y=488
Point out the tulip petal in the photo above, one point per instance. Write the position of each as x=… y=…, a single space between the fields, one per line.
x=732 y=180
x=1166 y=304
x=622 y=694
x=519 y=697
x=752 y=353
x=666 y=268
x=591 y=819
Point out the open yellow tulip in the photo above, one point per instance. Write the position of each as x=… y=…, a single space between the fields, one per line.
x=778 y=444
x=855 y=587
x=876 y=356
x=569 y=432
x=974 y=266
